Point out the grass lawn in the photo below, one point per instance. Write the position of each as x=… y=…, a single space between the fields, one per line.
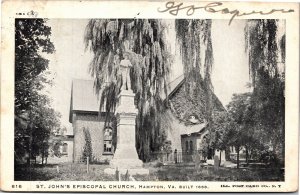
x=67 y=172
x=188 y=173
x=180 y=172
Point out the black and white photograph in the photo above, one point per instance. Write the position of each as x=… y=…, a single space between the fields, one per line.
x=141 y=99
x=149 y=99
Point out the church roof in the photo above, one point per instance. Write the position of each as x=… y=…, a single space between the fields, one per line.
x=175 y=84
x=83 y=97
x=198 y=128
x=171 y=122
x=178 y=82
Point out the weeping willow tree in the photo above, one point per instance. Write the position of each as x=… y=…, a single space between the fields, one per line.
x=145 y=40
x=194 y=38
x=266 y=51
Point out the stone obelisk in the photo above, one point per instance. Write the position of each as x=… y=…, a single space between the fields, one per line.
x=126 y=157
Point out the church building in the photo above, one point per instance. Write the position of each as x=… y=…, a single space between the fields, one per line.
x=87 y=123
x=184 y=122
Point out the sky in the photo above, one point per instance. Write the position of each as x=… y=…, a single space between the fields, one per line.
x=230 y=71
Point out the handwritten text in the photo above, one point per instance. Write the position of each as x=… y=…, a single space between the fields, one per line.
x=215 y=7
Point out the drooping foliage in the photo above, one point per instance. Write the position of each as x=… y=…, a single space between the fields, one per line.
x=194 y=38
x=265 y=47
x=145 y=40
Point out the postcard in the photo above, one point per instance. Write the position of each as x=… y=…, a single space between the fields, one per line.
x=149 y=96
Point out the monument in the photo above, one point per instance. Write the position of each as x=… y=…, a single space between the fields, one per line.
x=126 y=157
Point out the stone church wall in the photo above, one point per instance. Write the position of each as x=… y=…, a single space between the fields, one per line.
x=95 y=126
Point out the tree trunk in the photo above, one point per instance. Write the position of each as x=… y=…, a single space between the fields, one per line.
x=275 y=148
x=28 y=161
x=247 y=155
x=28 y=151
x=220 y=158
x=238 y=157
x=30 y=142
x=43 y=154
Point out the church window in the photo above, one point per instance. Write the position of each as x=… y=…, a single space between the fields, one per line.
x=107 y=146
x=107 y=140
x=65 y=148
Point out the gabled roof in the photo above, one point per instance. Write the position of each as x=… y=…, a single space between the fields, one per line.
x=175 y=84
x=179 y=81
x=198 y=128
x=83 y=97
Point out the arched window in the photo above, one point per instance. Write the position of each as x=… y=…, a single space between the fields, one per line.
x=107 y=140
x=65 y=148
x=107 y=133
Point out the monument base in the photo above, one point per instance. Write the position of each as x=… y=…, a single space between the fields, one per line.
x=136 y=171
x=134 y=167
x=125 y=163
